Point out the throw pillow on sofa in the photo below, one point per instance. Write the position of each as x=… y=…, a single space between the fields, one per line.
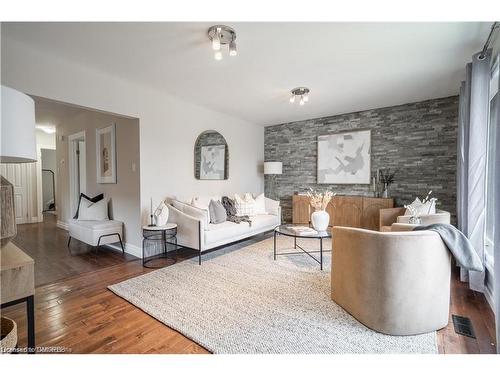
x=244 y=206
x=260 y=205
x=89 y=210
x=217 y=212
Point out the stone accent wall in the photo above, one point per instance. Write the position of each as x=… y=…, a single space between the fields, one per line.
x=417 y=139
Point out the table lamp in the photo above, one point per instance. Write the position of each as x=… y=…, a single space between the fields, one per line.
x=18 y=145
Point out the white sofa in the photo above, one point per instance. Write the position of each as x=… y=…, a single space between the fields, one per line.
x=195 y=231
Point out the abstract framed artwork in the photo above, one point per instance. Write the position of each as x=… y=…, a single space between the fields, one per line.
x=344 y=158
x=213 y=162
x=106 y=155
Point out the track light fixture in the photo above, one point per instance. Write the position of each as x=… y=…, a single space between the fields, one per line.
x=221 y=35
x=302 y=93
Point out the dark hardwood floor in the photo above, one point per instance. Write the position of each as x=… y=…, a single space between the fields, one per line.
x=81 y=315
x=47 y=245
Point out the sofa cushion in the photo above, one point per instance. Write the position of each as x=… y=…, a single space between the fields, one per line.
x=217 y=212
x=229 y=231
x=245 y=206
x=225 y=231
x=203 y=202
x=260 y=205
x=264 y=220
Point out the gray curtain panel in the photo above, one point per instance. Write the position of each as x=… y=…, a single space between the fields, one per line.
x=471 y=173
x=495 y=158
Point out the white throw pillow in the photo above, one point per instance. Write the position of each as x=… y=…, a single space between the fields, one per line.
x=203 y=202
x=244 y=206
x=260 y=205
x=93 y=211
x=427 y=208
x=161 y=214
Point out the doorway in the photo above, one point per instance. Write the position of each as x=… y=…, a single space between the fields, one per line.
x=48 y=159
x=77 y=169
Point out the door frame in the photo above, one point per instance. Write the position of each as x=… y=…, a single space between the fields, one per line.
x=74 y=179
x=39 y=191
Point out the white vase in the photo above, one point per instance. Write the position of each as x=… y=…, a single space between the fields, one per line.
x=320 y=220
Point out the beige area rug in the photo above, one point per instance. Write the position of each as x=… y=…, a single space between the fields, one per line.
x=242 y=301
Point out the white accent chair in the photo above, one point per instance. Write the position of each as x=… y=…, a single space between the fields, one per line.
x=389 y=216
x=96 y=233
x=397 y=283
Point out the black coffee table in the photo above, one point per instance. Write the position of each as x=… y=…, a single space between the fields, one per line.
x=287 y=230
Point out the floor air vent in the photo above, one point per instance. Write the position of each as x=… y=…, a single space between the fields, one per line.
x=463 y=326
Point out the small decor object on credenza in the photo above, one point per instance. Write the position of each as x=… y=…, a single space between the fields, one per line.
x=106 y=155
x=320 y=218
x=420 y=207
x=387 y=178
x=344 y=158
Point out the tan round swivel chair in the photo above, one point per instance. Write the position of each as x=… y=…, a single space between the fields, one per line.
x=397 y=283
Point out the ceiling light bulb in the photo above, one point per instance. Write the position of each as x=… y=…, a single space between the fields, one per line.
x=216 y=43
x=218 y=55
x=301 y=100
x=292 y=99
x=232 y=48
x=216 y=40
x=306 y=98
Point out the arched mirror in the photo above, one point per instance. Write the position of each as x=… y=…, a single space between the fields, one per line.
x=211 y=156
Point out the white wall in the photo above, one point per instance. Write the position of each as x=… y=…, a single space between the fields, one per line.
x=125 y=194
x=168 y=126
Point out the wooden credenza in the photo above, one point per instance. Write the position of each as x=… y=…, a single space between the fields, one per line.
x=344 y=210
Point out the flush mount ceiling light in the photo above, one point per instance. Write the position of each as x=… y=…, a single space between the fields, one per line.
x=221 y=35
x=302 y=93
x=46 y=128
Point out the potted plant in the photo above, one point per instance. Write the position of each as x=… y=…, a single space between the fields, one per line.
x=319 y=200
x=387 y=178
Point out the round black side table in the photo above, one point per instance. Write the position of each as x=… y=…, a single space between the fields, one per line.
x=155 y=245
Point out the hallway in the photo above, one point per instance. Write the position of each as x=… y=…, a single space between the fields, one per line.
x=47 y=245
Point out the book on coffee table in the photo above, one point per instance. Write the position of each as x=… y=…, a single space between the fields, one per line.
x=303 y=231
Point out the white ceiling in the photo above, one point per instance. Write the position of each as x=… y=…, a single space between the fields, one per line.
x=348 y=66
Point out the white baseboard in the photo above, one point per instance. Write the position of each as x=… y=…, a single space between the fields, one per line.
x=129 y=249
x=62 y=225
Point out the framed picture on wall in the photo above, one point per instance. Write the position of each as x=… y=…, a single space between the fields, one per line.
x=344 y=158
x=106 y=155
x=212 y=166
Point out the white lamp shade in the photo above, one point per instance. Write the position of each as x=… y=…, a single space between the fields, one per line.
x=273 y=167
x=17 y=128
